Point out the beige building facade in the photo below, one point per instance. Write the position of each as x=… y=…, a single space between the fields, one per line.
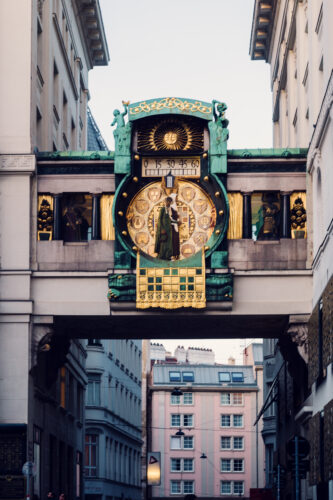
x=296 y=39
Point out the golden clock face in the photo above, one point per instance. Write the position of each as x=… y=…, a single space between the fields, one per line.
x=187 y=216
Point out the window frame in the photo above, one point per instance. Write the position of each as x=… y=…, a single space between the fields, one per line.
x=233 y=465
x=225 y=415
x=181 y=441
x=187 y=376
x=221 y=399
x=175 y=379
x=94 y=385
x=233 y=442
x=226 y=482
x=241 y=377
x=227 y=380
x=192 y=399
x=238 y=492
x=229 y=462
x=233 y=420
x=90 y=445
x=236 y=395
x=223 y=447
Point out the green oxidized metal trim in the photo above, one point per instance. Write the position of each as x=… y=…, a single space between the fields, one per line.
x=267 y=153
x=170 y=105
x=219 y=287
x=75 y=155
x=122 y=287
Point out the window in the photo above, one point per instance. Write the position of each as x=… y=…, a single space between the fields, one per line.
x=188 y=398
x=237 y=377
x=175 y=400
x=175 y=443
x=188 y=420
x=185 y=399
x=175 y=420
x=237 y=398
x=179 y=487
x=76 y=217
x=225 y=464
x=174 y=377
x=225 y=420
x=224 y=376
x=225 y=443
x=181 y=442
x=225 y=487
x=188 y=487
x=188 y=465
x=238 y=420
x=225 y=398
x=239 y=487
x=178 y=420
x=238 y=443
x=181 y=464
x=188 y=376
x=175 y=465
x=188 y=442
x=238 y=465
x=175 y=487
x=91 y=446
x=94 y=389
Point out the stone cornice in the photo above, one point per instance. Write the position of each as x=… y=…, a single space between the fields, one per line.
x=262 y=26
x=90 y=17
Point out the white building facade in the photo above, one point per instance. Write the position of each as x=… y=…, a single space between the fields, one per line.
x=296 y=39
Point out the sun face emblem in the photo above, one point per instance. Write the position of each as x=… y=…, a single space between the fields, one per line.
x=170 y=138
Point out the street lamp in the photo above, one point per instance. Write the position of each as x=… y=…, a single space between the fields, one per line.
x=176 y=392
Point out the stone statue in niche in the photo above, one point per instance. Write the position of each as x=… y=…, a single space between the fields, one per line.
x=270 y=217
x=298 y=215
x=45 y=221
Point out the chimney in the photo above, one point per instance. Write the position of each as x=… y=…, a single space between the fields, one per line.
x=231 y=360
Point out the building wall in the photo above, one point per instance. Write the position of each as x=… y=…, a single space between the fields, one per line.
x=206 y=429
x=113 y=419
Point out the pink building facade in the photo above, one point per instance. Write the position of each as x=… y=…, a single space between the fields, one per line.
x=209 y=446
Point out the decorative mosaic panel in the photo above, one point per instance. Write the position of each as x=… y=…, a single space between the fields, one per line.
x=170 y=287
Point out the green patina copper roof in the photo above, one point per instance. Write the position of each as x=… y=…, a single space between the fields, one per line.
x=75 y=155
x=267 y=153
x=170 y=105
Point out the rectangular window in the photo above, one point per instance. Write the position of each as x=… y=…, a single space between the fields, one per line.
x=225 y=487
x=188 y=420
x=175 y=487
x=225 y=443
x=175 y=400
x=237 y=377
x=225 y=464
x=238 y=465
x=238 y=443
x=188 y=487
x=94 y=389
x=175 y=465
x=174 y=377
x=238 y=487
x=224 y=376
x=175 y=443
x=188 y=442
x=225 y=398
x=188 y=465
x=237 y=398
x=188 y=376
x=175 y=420
x=188 y=398
x=225 y=421
x=91 y=444
x=238 y=420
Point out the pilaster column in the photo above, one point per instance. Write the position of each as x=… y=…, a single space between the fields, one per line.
x=57 y=217
x=247 y=216
x=96 y=225
x=285 y=209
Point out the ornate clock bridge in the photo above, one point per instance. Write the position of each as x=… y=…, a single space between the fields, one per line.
x=202 y=242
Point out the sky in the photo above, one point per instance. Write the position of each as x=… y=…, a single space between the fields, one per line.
x=184 y=48
x=191 y=49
